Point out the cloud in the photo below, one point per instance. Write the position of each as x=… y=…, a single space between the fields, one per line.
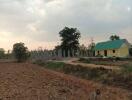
x=41 y=20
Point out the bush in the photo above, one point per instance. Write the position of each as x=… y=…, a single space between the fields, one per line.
x=39 y=62
x=20 y=52
x=83 y=72
x=2 y=53
x=106 y=76
x=127 y=68
x=84 y=60
x=130 y=51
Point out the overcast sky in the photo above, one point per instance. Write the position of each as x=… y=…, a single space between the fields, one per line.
x=38 y=22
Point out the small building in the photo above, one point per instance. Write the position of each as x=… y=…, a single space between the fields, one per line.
x=115 y=48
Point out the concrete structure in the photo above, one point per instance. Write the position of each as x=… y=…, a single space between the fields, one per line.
x=115 y=48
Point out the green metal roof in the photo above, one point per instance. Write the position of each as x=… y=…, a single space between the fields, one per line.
x=115 y=44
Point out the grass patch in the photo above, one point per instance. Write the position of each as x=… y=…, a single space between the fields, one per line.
x=54 y=65
x=127 y=68
x=121 y=78
x=84 y=60
x=51 y=65
x=127 y=64
x=96 y=62
x=83 y=72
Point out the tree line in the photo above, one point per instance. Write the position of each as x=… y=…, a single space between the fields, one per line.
x=69 y=46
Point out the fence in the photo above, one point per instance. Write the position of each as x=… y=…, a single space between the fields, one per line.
x=57 y=54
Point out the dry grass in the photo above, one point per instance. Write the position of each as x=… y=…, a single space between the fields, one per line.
x=118 y=78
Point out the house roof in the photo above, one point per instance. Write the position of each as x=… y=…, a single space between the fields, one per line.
x=115 y=44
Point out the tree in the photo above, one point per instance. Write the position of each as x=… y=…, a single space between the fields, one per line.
x=91 y=48
x=114 y=37
x=20 y=52
x=70 y=40
x=82 y=50
x=8 y=55
x=2 y=53
x=130 y=50
x=56 y=49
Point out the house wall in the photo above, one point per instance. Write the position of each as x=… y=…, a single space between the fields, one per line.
x=121 y=52
x=124 y=51
x=109 y=53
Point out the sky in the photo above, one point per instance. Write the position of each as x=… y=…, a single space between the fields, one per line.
x=38 y=22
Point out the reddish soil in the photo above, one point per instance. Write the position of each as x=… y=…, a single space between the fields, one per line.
x=25 y=81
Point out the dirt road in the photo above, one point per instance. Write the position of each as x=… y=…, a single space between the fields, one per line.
x=25 y=81
x=74 y=61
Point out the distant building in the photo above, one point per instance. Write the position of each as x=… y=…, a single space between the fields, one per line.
x=115 y=48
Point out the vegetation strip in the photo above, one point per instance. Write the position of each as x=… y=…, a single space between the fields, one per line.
x=120 y=78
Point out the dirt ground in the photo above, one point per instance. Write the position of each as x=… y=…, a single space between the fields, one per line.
x=26 y=81
x=74 y=61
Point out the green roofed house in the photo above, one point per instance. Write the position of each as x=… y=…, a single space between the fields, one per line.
x=115 y=48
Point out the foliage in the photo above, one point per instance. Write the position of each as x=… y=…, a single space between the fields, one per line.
x=106 y=76
x=87 y=51
x=84 y=72
x=110 y=61
x=56 y=49
x=84 y=60
x=2 y=53
x=20 y=52
x=130 y=51
x=70 y=40
x=114 y=37
x=127 y=68
x=54 y=65
x=82 y=50
x=99 y=55
x=92 y=48
x=50 y=65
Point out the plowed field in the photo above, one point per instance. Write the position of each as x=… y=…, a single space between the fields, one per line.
x=24 y=81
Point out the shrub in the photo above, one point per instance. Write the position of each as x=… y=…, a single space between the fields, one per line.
x=2 y=53
x=20 y=52
x=39 y=62
x=127 y=68
x=84 y=60
x=120 y=78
